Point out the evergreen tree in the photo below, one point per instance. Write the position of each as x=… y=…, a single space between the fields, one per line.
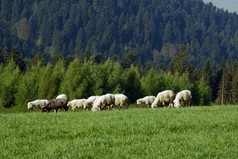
x=152 y=83
x=46 y=84
x=207 y=72
x=38 y=58
x=55 y=58
x=16 y=56
x=71 y=80
x=98 y=58
x=235 y=88
x=1 y=58
x=133 y=88
x=68 y=60
x=220 y=80
x=10 y=77
x=204 y=93
x=5 y=54
x=117 y=79
x=28 y=87
x=179 y=62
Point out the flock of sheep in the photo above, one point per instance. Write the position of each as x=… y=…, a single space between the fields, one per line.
x=109 y=101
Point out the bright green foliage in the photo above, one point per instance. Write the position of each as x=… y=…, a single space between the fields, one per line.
x=28 y=86
x=46 y=83
x=81 y=80
x=204 y=93
x=196 y=132
x=50 y=80
x=116 y=78
x=88 y=84
x=181 y=83
x=10 y=77
x=152 y=83
x=71 y=80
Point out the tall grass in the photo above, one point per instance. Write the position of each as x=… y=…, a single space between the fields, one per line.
x=197 y=132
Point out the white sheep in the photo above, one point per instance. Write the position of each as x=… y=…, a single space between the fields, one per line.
x=162 y=98
x=184 y=97
x=76 y=103
x=103 y=102
x=121 y=100
x=37 y=104
x=62 y=96
x=88 y=103
x=147 y=100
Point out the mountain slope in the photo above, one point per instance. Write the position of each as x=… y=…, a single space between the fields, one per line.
x=153 y=30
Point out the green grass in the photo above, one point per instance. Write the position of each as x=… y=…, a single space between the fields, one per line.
x=197 y=132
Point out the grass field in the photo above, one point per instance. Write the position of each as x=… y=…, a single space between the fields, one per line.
x=197 y=132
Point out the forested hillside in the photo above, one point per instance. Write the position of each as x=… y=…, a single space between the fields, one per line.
x=152 y=29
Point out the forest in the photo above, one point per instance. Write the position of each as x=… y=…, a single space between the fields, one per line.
x=23 y=80
x=154 y=30
x=83 y=48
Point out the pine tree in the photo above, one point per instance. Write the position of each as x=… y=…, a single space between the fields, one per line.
x=207 y=72
x=10 y=77
x=179 y=62
x=16 y=56
x=235 y=88
x=133 y=88
x=28 y=87
x=204 y=93
x=38 y=58
x=71 y=80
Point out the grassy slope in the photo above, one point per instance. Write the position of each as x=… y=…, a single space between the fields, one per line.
x=197 y=132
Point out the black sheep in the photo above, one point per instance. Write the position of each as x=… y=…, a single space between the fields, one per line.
x=56 y=104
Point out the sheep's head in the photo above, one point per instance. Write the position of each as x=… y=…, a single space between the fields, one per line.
x=95 y=109
x=154 y=105
x=29 y=105
x=176 y=104
x=138 y=101
x=43 y=109
x=85 y=104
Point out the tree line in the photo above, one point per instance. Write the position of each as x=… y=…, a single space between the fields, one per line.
x=23 y=80
x=152 y=29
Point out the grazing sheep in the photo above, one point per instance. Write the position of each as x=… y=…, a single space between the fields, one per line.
x=76 y=103
x=162 y=98
x=56 y=104
x=88 y=103
x=121 y=100
x=37 y=104
x=103 y=102
x=62 y=96
x=147 y=100
x=182 y=98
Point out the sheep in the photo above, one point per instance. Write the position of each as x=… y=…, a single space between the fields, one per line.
x=37 y=104
x=62 y=96
x=103 y=102
x=56 y=104
x=121 y=100
x=88 y=103
x=147 y=100
x=162 y=98
x=184 y=97
x=76 y=103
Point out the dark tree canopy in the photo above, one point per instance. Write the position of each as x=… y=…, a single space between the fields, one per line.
x=154 y=30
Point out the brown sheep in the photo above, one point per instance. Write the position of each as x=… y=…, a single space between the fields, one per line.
x=56 y=104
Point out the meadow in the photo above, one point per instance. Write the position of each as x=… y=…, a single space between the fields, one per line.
x=196 y=132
